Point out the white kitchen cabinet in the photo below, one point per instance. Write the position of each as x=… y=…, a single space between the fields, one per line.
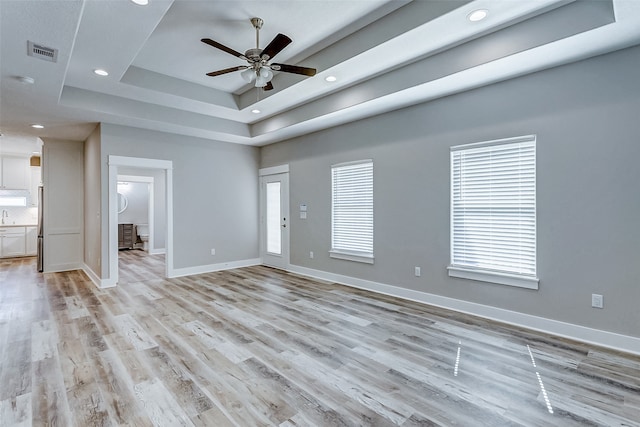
x=12 y=241
x=31 y=241
x=14 y=173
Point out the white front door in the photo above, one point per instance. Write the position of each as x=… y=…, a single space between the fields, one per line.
x=274 y=220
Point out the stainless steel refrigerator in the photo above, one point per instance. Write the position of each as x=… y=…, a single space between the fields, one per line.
x=40 y=229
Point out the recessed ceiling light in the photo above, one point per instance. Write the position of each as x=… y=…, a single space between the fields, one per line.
x=26 y=80
x=141 y=2
x=256 y=111
x=37 y=126
x=101 y=72
x=477 y=15
x=331 y=78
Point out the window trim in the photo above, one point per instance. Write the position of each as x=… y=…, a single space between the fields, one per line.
x=483 y=274
x=497 y=277
x=364 y=257
x=344 y=254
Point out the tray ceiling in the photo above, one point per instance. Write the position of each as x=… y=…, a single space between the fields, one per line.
x=385 y=55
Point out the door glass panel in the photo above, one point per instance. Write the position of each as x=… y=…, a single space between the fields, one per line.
x=274 y=236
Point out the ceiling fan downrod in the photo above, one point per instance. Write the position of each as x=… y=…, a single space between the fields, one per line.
x=254 y=54
x=257 y=24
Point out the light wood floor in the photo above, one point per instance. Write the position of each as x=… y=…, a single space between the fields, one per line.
x=258 y=347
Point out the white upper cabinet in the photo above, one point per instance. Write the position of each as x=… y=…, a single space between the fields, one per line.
x=14 y=173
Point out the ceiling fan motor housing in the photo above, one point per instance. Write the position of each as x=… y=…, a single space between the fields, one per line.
x=253 y=54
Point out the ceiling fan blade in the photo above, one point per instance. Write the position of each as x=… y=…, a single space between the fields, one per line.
x=294 y=69
x=278 y=43
x=269 y=86
x=223 y=48
x=225 y=71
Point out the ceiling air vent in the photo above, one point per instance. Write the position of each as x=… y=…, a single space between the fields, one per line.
x=42 y=52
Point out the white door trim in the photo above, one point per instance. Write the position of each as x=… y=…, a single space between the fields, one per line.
x=274 y=170
x=114 y=162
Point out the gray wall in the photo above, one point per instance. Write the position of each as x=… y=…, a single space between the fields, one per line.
x=63 y=181
x=215 y=192
x=92 y=207
x=587 y=120
x=137 y=210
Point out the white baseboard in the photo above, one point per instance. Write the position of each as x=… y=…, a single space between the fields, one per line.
x=178 y=272
x=593 y=336
x=159 y=251
x=200 y=269
x=96 y=280
x=107 y=283
x=92 y=275
x=59 y=268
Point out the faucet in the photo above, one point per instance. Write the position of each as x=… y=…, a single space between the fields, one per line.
x=5 y=214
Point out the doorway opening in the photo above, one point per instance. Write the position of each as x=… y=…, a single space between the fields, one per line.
x=157 y=176
x=141 y=224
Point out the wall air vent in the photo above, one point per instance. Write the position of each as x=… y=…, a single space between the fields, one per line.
x=42 y=52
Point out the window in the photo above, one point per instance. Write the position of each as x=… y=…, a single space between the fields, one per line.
x=352 y=211
x=493 y=211
x=13 y=201
x=274 y=233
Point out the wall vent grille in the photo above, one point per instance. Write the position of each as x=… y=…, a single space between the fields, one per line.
x=42 y=52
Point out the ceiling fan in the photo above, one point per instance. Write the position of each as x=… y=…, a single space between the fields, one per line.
x=260 y=71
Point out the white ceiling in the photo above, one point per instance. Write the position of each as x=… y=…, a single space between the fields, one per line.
x=386 y=54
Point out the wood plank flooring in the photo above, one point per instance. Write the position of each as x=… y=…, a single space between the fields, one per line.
x=259 y=347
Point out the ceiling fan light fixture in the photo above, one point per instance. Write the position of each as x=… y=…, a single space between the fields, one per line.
x=248 y=75
x=266 y=73
x=261 y=81
x=263 y=76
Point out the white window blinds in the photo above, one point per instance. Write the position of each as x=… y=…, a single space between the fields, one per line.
x=493 y=207
x=352 y=211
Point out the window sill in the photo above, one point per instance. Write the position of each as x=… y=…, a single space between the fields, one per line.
x=350 y=256
x=494 y=277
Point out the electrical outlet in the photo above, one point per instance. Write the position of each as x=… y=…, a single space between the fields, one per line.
x=597 y=301
x=417 y=271
x=311 y=254
x=213 y=251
